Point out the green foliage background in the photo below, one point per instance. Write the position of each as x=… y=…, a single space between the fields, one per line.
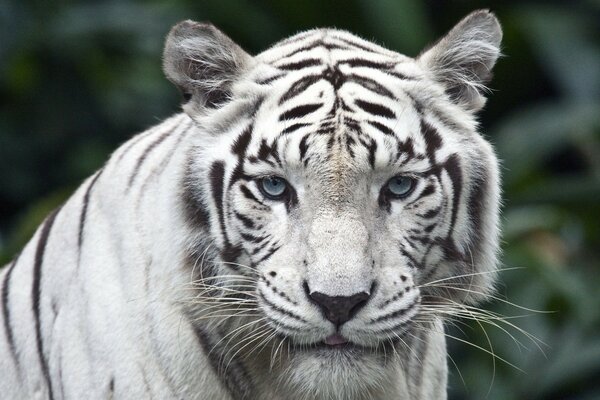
x=79 y=77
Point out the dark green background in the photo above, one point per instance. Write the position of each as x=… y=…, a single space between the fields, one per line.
x=79 y=77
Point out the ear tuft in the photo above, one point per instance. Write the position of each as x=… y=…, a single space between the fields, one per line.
x=463 y=59
x=203 y=62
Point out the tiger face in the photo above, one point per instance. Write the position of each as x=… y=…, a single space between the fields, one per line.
x=345 y=187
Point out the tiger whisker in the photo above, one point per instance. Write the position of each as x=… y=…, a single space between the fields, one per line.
x=490 y=320
x=254 y=337
x=494 y=298
x=470 y=274
x=475 y=346
x=231 y=335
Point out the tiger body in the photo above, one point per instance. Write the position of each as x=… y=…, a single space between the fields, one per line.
x=171 y=273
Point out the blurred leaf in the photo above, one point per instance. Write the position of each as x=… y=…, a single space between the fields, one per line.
x=527 y=137
x=399 y=24
x=564 y=39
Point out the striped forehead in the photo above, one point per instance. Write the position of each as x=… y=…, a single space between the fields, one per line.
x=334 y=43
x=331 y=92
x=322 y=121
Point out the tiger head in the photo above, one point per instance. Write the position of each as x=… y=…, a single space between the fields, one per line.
x=342 y=188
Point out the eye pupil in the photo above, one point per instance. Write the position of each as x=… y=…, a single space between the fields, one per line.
x=273 y=186
x=400 y=186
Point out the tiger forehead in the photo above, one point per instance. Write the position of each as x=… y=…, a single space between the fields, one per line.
x=332 y=103
x=330 y=42
x=338 y=127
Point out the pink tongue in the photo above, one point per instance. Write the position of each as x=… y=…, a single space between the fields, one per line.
x=334 y=339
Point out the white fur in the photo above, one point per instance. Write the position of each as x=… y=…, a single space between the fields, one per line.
x=120 y=318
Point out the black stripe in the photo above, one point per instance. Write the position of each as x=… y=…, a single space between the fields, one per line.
x=192 y=202
x=128 y=146
x=243 y=110
x=479 y=190
x=281 y=325
x=337 y=46
x=84 y=208
x=372 y=147
x=298 y=87
x=250 y=196
x=275 y=290
x=6 y=312
x=393 y=329
x=265 y=151
x=361 y=62
x=421 y=239
x=335 y=77
x=303 y=146
x=217 y=186
x=454 y=170
x=382 y=128
x=281 y=310
x=358 y=45
x=375 y=109
x=431 y=213
x=294 y=66
x=430 y=228
x=240 y=144
x=307 y=47
x=451 y=252
x=259 y=248
x=349 y=143
x=268 y=255
x=252 y=238
x=400 y=75
x=293 y=128
x=159 y=167
x=398 y=313
x=239 y=147
x=405 y=148
x=145 y=154
x=229 y=253
x=36 y=292
x=271 y=79
x=413 y=261
x=248 y=223
x=433 y=140
x=300 y=111
x=60 y=377
x=429 y=190
x=371 y=85
x=352 y=124
x=235 y=379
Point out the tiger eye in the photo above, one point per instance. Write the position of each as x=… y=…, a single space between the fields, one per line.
x=400 y=186
x=273 y=187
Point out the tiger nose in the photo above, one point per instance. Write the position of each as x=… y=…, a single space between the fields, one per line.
x=340 y=309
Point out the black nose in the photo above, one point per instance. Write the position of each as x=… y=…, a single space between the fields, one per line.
x=340 y=309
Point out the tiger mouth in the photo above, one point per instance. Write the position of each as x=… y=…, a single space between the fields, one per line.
x=338 y=344
x=335 y=340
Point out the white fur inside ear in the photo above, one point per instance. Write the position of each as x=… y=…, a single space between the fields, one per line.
x=203 y=62
x=463 y=59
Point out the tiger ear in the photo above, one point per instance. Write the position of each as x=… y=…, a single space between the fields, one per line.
x=463 y=59
x=203 y=63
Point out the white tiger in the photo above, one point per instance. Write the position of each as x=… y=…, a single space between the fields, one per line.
x=299 y=232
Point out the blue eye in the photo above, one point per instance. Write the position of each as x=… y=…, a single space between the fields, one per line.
x=400 y=186
x=273 y=187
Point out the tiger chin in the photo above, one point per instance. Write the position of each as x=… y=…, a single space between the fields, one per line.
x=300 y=231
